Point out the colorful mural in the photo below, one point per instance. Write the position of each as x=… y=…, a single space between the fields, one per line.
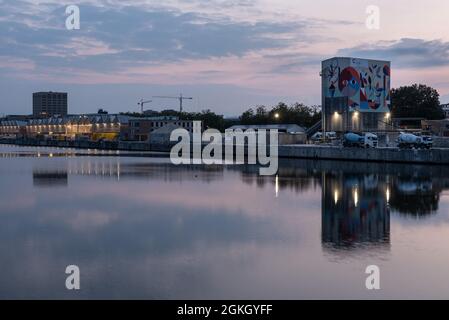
x=366 y=83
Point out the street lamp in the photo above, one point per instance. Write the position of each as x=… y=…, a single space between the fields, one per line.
x=276 y=115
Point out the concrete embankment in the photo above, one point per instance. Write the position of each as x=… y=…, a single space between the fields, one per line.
x=299 y=151
x=432 y=156
x=81 y=144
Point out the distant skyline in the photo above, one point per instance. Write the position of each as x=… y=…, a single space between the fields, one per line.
x=228 y=55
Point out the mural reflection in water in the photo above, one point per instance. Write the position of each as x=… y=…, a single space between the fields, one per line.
x=355 y=210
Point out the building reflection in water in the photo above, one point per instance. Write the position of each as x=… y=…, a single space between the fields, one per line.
x=356 y=203
x=57 y=173
x=50 y=178
x=293 y=176
x=99 y=167
x=416 y=195
x=355 y=210
x=356 y=198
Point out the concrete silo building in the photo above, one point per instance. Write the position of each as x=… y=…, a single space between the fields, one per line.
x=356 y=94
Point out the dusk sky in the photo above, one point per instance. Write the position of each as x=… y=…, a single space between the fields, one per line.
x=228 y=55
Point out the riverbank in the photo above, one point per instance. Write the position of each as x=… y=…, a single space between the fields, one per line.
x=438 y=156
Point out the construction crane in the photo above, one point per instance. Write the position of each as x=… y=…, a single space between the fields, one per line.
x=181 y=98
x=142 y=102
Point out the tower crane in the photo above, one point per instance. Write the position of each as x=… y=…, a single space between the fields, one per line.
x=142 y=102
x=181 y=98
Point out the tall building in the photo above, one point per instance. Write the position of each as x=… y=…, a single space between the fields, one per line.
x=355 y=94
x=47 y=104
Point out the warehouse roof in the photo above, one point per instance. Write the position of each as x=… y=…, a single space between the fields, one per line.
x=289 y=128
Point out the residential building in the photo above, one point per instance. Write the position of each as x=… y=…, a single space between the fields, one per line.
x=90 y=127
x=12 y=127
x=48 y=104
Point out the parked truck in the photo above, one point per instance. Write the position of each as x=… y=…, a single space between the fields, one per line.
x=410 y=140
x=366 y=140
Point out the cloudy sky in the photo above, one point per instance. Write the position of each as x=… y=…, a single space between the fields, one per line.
x=228 y=55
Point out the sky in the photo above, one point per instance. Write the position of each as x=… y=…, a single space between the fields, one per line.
x=227 y=55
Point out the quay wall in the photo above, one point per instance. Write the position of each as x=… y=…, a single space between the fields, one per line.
x=441 y=142
x=432 y=156
x=394 y=155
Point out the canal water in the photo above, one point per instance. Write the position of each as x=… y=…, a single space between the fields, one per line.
x=140 y=227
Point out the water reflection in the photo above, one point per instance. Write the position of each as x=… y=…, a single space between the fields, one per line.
x=143 y=228
x=416 y=196
x=294 y=176
x=357 y=198
x=46 y=178
x=408 y=190
x=355 y=211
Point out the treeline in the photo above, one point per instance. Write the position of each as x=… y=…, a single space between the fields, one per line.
x=210 y=119
x=296 y=113
x=416 y=101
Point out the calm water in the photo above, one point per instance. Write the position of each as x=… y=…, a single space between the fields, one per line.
x=142 y=228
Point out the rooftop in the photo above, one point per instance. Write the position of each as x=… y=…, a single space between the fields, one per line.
x=290 y=128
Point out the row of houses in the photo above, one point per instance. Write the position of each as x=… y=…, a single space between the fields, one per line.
x=12 y=127
x=92 y=127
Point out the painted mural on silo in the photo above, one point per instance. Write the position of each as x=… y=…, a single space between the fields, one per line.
x=366 y=83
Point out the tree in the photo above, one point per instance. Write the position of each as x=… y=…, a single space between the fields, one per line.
x=169 y=113
x=209 y=119
x=258 y=116
x=296 y=113
x=416 y=101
